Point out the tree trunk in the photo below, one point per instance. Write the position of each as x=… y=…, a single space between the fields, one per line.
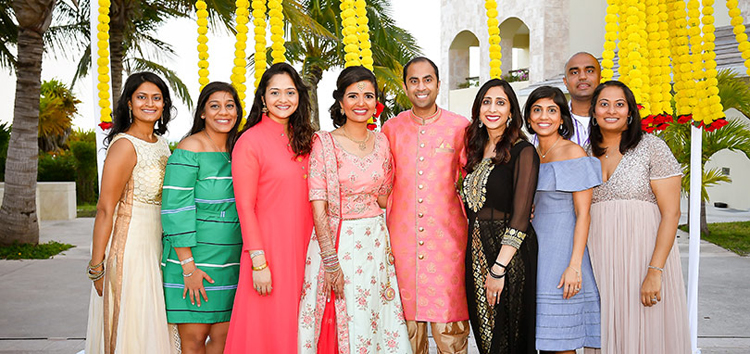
x=313 y=77
x=704 y=224
x=116 y=51
x=18 y=218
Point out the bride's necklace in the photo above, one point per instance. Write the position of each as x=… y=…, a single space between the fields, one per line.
x=224 y=154
x=550 y=148
x=362 y=143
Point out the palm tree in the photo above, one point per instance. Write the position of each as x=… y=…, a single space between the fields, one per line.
x=735 y=136
x=57 y=106
x=392 y=47
x=18 y=218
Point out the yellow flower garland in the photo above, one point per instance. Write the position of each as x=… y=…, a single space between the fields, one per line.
x=739 y=32
x=259 y=20
x=653 y=58
x=242 y=13
x=665 y=90
x=202 y=21
x=363 y=35
x=681 y=56
x=634 y=70
x=623 y=45
x=693 y=87
x=276 y=19
x=494 y=31
x=102 y=62
x=349 y=32
x=711 y=108
x=610 y=36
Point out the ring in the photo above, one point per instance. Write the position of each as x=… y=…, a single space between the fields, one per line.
x=578 y=289
x=654 y=299
x=494 y=295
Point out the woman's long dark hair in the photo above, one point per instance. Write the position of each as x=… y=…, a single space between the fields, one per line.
x=557 y=96
x=631 y=136
x=121 y=118
x=477 y=137
x=301 y=131
x=348 y=76
x=199 y=124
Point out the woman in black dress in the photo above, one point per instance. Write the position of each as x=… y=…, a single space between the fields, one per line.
x=501 y=254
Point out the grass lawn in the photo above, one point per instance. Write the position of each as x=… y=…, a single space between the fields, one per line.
x=86 y=211
x=28 y=251
x=734 y=236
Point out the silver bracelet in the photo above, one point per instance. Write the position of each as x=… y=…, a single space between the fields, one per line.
x=186 y=261
x=256 y=253
x=188 y=274
x=656 y=268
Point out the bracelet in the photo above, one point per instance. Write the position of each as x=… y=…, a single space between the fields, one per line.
x=578 y=273
x=260 y=267
x=256 y=253
x=496 y=276
x=98 y=265
x=501 y=265
x=186 y=275
x=95 y=275
x=186 y=261
x=656 y=268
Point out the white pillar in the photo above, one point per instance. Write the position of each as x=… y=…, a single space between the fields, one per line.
x=696 y=176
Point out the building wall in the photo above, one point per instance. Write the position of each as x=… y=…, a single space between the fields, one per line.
x=736 y=193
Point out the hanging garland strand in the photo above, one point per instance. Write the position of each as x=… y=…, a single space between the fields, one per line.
x=349 y=32
x=610 y=36
x=682 y=70
x=739 y=32
x=276 y=19
x=494 y=32
x=363 y=35
x=102 y=63
x=202 y=21
x=239 y=70
x=711 y=109
x=665 y=90
x=259 y=20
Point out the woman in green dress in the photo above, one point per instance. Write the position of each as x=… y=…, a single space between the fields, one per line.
x=202 y=240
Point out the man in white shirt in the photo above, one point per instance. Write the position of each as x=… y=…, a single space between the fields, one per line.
x=582 y=75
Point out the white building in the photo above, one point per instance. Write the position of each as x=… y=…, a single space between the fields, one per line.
x=537 y=38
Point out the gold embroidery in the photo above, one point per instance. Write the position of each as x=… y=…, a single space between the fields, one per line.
x=474 y=185
x=485 y=312
x=513 y=237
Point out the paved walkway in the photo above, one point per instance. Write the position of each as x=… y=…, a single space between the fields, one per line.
x=44 y=303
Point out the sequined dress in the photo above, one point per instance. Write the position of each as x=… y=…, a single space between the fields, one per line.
x=624 y=222
x=499 y=197
x=130 y=316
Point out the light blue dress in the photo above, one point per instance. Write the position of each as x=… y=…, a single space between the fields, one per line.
x=573 y=323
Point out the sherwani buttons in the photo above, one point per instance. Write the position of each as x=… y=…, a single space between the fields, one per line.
x=421 y=186
x=421 y=256
x=420 y=200
x=420 y=215
x=421 y=229
x=421 y=145
x=421 y=243
x=421 y=158
x=422 y=132
x=421 y=172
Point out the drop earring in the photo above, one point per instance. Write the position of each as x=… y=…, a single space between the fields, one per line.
x=130 y=114
x=593 y=122
x=481 y=124
x=630 y=119
x=264 y=109
x=507 y=122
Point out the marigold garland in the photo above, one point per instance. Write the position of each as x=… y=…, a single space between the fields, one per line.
x=494 y=31
x=259 y=21
x=665 y=90
x=349 y=32
x=239 y=71
x=682 y=72
x=202 y=22
x=711 y=108
x=363 y=35
x=102 y=62
x=276 y=19
x=610 y=36
x=739 y=31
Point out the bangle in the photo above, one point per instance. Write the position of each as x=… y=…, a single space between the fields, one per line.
x=496 y=276
x=260 y=267
x=256 y=253
x=501 y=265
x=95 y=275
x=186 y=261
x=656 y=268
x=185 y=275
x=98 y=265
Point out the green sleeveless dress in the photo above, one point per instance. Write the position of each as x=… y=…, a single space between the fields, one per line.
x=198 y=211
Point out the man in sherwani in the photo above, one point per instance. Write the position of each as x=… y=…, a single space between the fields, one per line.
x=425 y=214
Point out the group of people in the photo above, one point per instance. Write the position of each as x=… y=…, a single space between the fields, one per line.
x=548 y=227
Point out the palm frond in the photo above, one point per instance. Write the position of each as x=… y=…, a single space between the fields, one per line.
x=8 y=35
x=711 y=177
x=734 y=91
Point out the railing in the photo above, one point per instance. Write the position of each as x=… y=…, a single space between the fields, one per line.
x=517 y=75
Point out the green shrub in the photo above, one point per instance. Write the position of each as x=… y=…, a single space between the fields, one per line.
x=86 y=172
x=56 y=167
x=32 y=251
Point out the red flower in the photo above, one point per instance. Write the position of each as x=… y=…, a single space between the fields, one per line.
x=371 y=126
x=640 y=106
x=684 y=118
x=105 y=125
x=715 y=125
x=379 y=109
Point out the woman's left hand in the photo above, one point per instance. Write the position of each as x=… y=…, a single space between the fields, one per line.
x=570 y=282
x=651 y=288
x=494 y=287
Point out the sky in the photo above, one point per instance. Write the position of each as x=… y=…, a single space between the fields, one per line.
x=182 y=35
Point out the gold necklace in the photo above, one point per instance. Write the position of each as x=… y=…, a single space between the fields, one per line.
x=550 y=148
x=362 y=143
x=224 y=154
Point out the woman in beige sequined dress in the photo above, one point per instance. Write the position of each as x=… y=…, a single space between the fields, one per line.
x=634 y=215
x=126 y=312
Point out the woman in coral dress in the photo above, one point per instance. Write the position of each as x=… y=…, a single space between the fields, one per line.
x=269 y=168
x=351 y=174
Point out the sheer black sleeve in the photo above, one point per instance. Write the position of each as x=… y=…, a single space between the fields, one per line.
x=525 y=173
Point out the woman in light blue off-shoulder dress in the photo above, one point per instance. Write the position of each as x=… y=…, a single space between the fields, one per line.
x=568 y=314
